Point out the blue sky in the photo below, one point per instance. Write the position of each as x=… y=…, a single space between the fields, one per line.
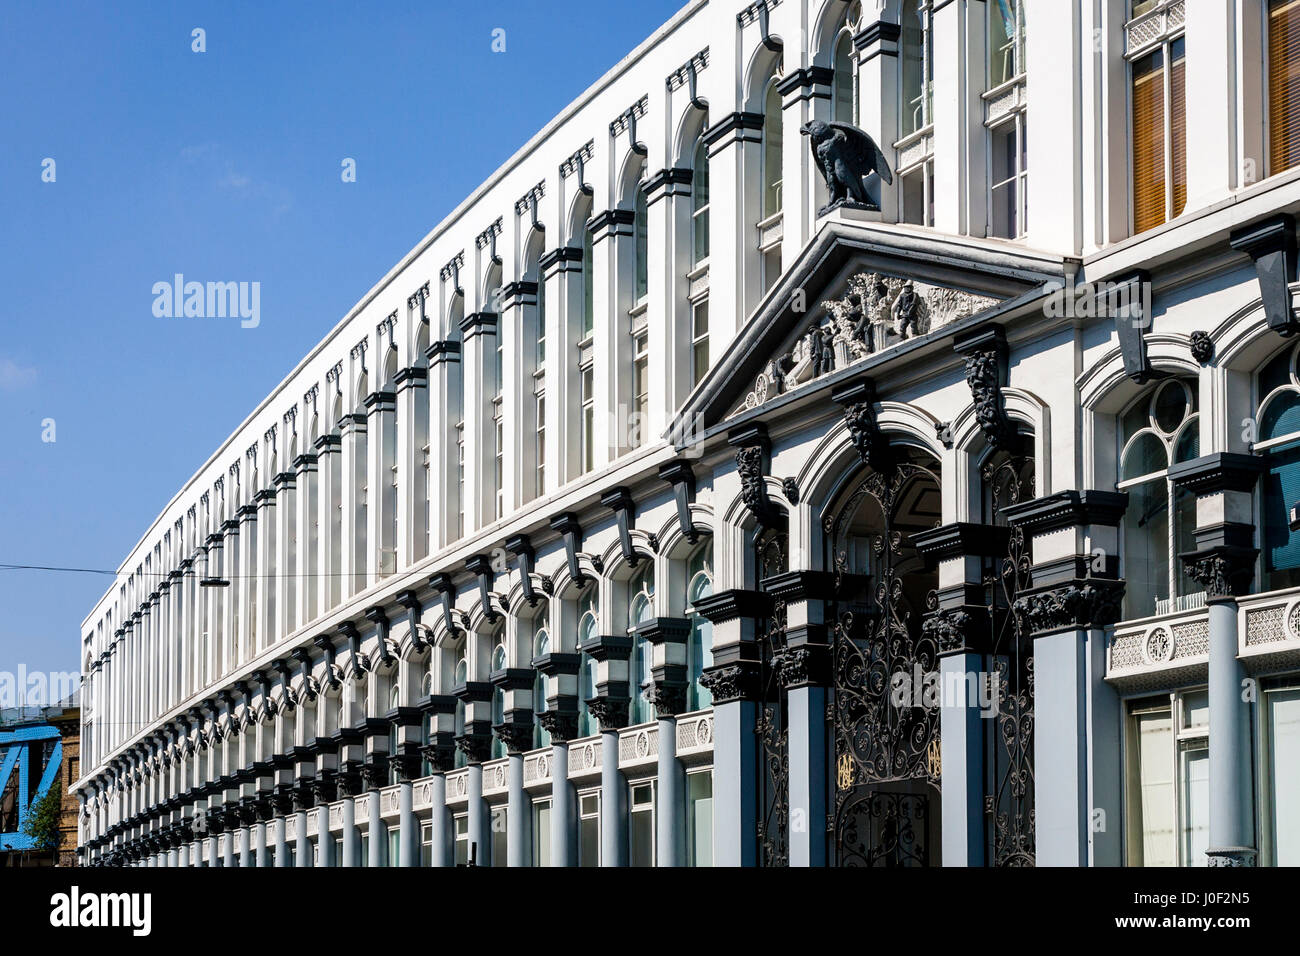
x=222 y=165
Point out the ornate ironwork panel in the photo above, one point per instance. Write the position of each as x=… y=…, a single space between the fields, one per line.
x=884 y=727
x=772 y=557
x=1009 y=737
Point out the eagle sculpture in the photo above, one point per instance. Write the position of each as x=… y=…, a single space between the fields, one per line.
x=845 y=155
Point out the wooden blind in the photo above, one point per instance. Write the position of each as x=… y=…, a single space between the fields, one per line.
x=1178 y=124
x=1149 y=142
x=1283 y=85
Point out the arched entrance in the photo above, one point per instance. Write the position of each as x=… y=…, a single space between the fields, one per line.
x=884 y=714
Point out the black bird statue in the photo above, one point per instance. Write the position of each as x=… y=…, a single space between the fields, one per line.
x=845 y=155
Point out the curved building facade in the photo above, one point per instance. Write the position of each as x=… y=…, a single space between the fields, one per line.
x=654 y=510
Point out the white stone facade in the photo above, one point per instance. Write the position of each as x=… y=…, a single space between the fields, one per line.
x=538 y=463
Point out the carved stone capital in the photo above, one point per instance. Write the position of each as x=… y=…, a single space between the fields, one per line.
x=734 y=681
x=562 y=725
x=949 y=628
x=1225 y=572
x=1080 y=604
x=516 y=736
x=610 y=712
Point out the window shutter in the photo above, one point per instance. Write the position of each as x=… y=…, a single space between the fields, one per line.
x=1149 y=143
x=1283 y=85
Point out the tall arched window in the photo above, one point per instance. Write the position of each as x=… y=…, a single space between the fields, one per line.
x=541 y=647
x=640 y=210
x=1278 y=415
x=843 y=101
x=498 y=700
x=699 y=645
x=588 y=630
x=1160 y=429
x=640 y=609
x=700 y=202
x=772 y=138
x=916 y=64
x=461 y=676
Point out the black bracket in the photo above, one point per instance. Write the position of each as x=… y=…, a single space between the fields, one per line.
x=619 y=500
x=567 y=525
x=481 y=567
x=679 y=475
x=522 y=549
x=1271 y=243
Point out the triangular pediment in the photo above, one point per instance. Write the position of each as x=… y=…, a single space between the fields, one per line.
x=857 y=294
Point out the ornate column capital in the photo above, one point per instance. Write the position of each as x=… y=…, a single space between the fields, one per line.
x=1082 y=604
x=1225 y=571
x=737 y=680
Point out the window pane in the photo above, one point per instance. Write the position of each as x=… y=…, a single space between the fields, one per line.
x=1283 y=84
x=1144 y=457
x=1284 y=773
x=1148 y=142
x=1178 y=124
x=1195 y=785
x=772 y=135
x=589 y=841
x=699 y=819
x=1281 y=490
x=1281 y=416
x=499 y=837
x=542 y=834
x=1154 y=788
x=1146 y=547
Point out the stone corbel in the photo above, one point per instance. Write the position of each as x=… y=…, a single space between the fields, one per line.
x=568 y=527
x=619 y=500
x=375 y=615
x=1129 y=303
x=752 y=460
x=446 y=591
x=411 y=604
x=858 y=399
x=481 y=567
x=679 y=475
x=985 y=351
x=522 y=550
x=360 y=662
x=1271 y=244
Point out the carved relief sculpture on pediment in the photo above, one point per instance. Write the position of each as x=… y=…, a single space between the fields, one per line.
x=876 y=312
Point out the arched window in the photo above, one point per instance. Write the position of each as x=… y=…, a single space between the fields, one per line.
x=772 y=137
x=1278 y=415
x=461 y=676
x=700 y=202
x=843 y=101
x=640 y=609
x=916 y=64
x=640 y=211
x=588 y=630
x=498 y=700
x=1160 y=429
x=699 y=646
x=541 y=647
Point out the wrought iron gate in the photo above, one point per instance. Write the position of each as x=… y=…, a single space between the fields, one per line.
x=1009 y=738
x=885 y=738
